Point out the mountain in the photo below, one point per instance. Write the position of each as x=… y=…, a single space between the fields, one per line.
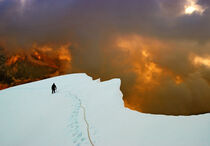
x=89 y=112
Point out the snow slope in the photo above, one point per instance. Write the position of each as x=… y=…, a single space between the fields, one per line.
x=89 y=112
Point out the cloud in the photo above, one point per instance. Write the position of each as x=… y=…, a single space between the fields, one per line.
x=148 y=44
x=193 y=7
x=165 y=78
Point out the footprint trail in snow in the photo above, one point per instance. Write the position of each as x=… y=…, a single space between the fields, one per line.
x=77 y=122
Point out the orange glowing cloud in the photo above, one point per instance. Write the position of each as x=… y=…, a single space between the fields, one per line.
x=52 y=60
x=156 y=79
x=140 y=59
x=178 y=80
x=64 y=53
x=13 y=59
x=198 y=61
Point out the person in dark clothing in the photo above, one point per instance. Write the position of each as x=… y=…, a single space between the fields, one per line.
x=53 y=88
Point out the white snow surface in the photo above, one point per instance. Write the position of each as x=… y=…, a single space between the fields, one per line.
x=31 y=116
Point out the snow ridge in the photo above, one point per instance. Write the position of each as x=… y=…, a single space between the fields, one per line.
x=87 y=112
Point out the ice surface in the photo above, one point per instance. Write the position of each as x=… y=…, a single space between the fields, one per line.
x=32 y=116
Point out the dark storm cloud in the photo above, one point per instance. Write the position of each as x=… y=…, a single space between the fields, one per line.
x=38 y=20
x=93 y=27
x=204 y=2
x=50 y=19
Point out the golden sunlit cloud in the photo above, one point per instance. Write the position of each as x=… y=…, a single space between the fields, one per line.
x=189 y=10
x=13 y=59
x=178 y=80
x=201 y=61
x=64 y=53
x=140 y=58
x=192 y=7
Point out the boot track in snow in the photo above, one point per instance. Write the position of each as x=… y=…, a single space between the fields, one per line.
x=77 y=135
x=87 y=124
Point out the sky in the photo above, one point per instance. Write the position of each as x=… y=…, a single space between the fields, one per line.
x=159 y=48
